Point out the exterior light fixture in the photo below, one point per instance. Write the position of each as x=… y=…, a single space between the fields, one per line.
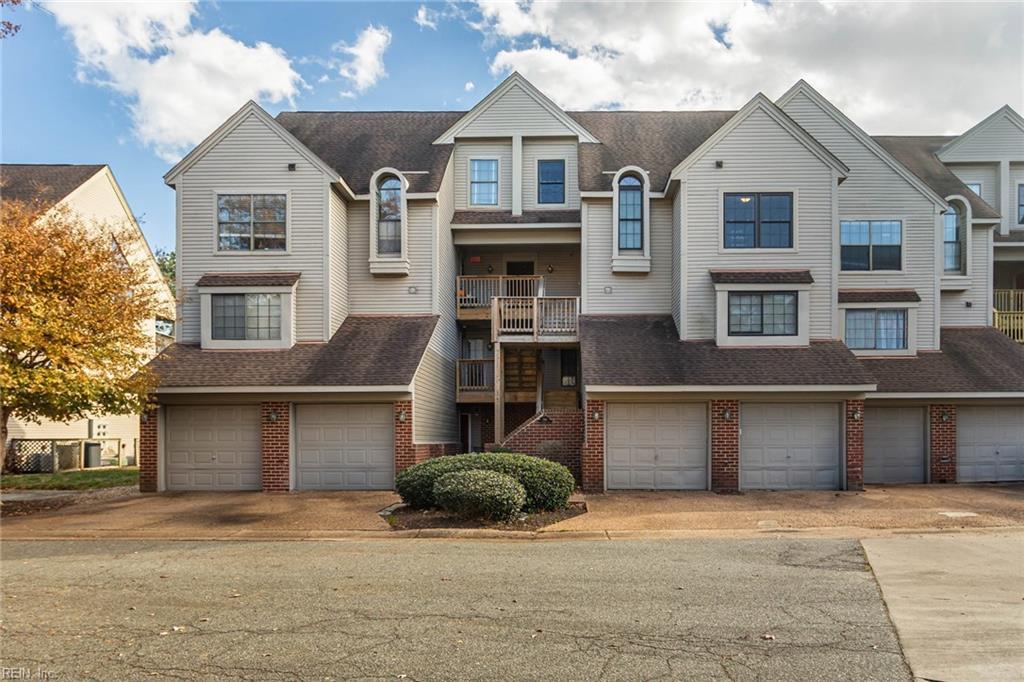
x=551 y=268
x=727 y=414
x=490 y=268
x=945 y=416
x=402 y=416
x=273 y=416
x=413 y=290
x=856 y=415
x=597 y=415
x=145 y=417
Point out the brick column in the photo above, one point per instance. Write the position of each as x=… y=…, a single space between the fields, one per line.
x=275 y=442
x=149 y=435
x=942 y=443
x=854 y=412
x=592 y=452
x=405 y=452
x=725 y=445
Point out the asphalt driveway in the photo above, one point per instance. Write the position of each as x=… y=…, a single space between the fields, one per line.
x=774 y=608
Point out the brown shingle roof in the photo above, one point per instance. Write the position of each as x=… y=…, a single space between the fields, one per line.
x=645 y=350
x=357 y=143
x=761 y=276
x=878 y=296
x=248 y=279
x=656 y=141
x=45 y=183
x=917 y=153
x=365 y=351
x=501 y=217
x=972 y=359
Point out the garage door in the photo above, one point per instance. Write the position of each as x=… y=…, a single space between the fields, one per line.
x=894 y=450
x=213 y=447
x=659 y=446
x=789 y=445
x=345 y=447
x=990 y=444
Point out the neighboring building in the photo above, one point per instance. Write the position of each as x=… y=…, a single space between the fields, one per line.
x=762 y=298
x=91 y=192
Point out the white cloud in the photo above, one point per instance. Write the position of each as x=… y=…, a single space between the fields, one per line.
x=180 y=82
x=470 y=86
x=365 y=65
x=426 y=17
x=893 y=67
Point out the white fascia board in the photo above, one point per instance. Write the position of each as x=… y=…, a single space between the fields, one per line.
x=802 y=87
x=1015 y=395
x=780 y=388
x=448 y=136
x=233 y=122
x=285 y=389
x=514 y=226
x=759 y=103
x=1006 y=110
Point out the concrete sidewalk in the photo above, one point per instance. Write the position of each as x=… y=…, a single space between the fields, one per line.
x=957 y=602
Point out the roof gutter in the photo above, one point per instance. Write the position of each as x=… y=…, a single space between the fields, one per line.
x=172 y=390
x=733 y=388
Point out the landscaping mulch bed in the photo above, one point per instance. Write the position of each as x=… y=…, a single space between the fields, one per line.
x=407 y=518
x=84 y=497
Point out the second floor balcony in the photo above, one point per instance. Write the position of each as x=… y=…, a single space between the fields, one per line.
x=1008 y=313
x=518 y=309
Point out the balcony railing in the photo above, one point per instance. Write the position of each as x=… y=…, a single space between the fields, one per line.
x=475 y=293
x=541 y=318
x=476 y=375
x=1008 y=300
x=1011 y=324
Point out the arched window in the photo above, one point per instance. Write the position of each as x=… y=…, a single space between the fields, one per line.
x=631 y=213
x=953 y=239
x=389 y=216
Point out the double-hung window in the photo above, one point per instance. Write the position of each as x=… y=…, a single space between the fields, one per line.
x=871 y=244
x=762 y=313
x=631 y=213
x=551 y=181
x=952 y=241
x=245 y=317
x=252 y=222
x=1020 y=204
x=483 y=182
x=758 y=220
x=876 y=329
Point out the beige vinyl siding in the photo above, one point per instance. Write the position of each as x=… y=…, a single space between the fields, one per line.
x=677 y=208
x=338 y=260
x=253 y=158
x=369 y=294
x=464 y=151
x=985 y=173
x=515 y=111
x=447 y=268
x=649 y=292
x=564 y=260
x=433 y=405
x=535 y=150
x=758 y=155
x=873 y=190
x=122 y=426
x=954 y=312
x=1000 y=139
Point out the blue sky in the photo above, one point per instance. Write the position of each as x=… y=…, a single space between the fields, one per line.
x=137 y=85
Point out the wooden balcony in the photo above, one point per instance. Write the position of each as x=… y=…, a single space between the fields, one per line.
x=475 y=379
x=551 y=319
x=474 y=294
x=1008 y=313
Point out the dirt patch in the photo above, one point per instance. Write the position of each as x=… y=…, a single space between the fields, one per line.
x=27 y=507
x=407 y=518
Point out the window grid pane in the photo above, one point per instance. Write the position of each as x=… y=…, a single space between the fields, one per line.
x=252 y=222
x=952 y=244
x=860 y=329
x=389 y=217
x=779 y=314
x=551 y=182
x=876 y=329
x=250 y=317
x=744 y=314
x=631 y=232
x=871 y=244
x=483 y=182
x=758 y=220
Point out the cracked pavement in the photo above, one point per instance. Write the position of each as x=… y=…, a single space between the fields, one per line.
x=773 y=608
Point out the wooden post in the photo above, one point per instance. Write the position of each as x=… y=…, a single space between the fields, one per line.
x=495 y=320
x=499 y=394
x=540 y=380
x=536 y=318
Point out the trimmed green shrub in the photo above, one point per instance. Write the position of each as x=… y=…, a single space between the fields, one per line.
x=480 y=493
x=548 y=484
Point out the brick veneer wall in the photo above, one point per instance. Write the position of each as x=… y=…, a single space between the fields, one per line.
x=725 y=445
x=854 y=444
x=942 y=443
x=516 y=414
x=555 y=434
x=149 y=434
x=405 y=452
x=592 y=452
x=423 y=451
x=275 y=446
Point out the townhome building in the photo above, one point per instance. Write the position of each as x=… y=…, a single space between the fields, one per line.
x=766 y=298
x=91 y=193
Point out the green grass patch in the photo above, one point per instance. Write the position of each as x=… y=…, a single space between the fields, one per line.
x=87 y=479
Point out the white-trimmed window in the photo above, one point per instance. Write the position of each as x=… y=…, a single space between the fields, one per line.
x=245 y=317
x=630 y=216
x=252 y=222
x=551 y=181
x=483 y=182
x=389 y=223
x=631 y=221
x=763 y=313
x=954 y=237
x=389 y=216
x=1020 y=204
x=881 y=329
x=871 y=245
x=757 y=220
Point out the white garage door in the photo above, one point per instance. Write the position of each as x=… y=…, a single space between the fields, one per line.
x=213 y=447
x=345 y=447
x=660 y=446
x=990 y=443
x=789 y=445
x=894 y=449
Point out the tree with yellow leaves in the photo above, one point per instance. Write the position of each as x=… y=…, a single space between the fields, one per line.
x=72 y=314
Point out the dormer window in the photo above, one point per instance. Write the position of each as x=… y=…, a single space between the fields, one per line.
x=389 y=216
x=631 y=221
x=389 y=223
x=247 y=310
